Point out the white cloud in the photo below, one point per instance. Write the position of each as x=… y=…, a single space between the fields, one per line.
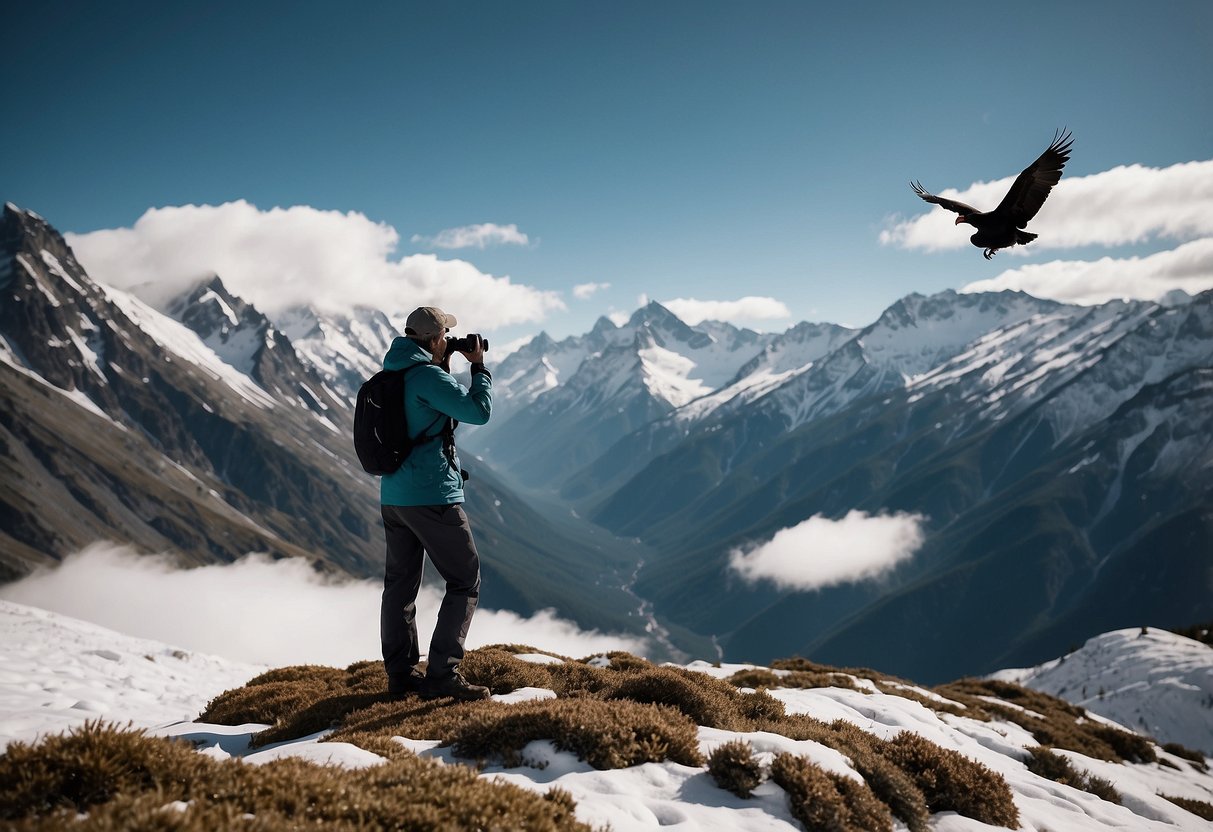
x=820 y=552
x=285 y=257
x=1188 y=267
x=748 y=309
x=263 y=611
x=582 y=291
x=480 y=235
x=1125 y=205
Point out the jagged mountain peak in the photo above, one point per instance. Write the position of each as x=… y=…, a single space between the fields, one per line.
x=603 y=326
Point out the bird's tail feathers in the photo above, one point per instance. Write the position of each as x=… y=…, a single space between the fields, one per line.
x=1024 y=237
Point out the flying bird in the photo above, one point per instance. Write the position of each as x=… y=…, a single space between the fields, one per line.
x=1003 y=226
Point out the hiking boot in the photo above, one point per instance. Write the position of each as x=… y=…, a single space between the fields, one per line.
x=455 y=686
x=402 y=684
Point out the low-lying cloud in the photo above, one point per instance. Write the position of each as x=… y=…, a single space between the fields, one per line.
x=481 y=235
x=287 y=257
x=1126 y=205
x=1188 y=267
x=263 y=611
x=750 y=309
x=821 y=552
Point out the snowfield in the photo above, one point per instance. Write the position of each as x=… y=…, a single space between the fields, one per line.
x=58 y=672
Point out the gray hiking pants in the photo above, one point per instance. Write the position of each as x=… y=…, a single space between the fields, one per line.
x=443 y=533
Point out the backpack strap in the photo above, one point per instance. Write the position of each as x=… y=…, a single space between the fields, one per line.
x=421 y=437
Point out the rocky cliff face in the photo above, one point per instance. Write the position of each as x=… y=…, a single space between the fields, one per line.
x=121 y=424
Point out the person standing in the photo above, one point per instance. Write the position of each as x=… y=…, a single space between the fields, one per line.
x=422 y=508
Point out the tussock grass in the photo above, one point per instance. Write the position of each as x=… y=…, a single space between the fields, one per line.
x=734 y=768
x=759 y=678
x=823 y=800
x=606 y=735
x=951 y=781
x=1052 y=766
x=1196 y=758
x=628 y=713
x=1199 y=808
x=124 y=780
x=1052 y=721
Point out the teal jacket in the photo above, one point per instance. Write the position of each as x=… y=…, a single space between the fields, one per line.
x=430 y=395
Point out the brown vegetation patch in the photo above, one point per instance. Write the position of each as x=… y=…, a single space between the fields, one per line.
x=1196 y=758
x=821 y=800
x=1052 y=766
x=951 y=781
x=629 y=713
x=124 y=779
x=734 y=768
x=1197 y=807
x=501 y=672
x=894 y=787
x=606 y=735
x=759 y=678
x=1052 y=721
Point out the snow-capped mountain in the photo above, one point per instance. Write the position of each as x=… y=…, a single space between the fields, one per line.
x=1150 y=680
x=786 y=356
x=629 y=377
x=1067 y=454
x=249 y=343
x=543 y=363
x=124 y=424
x=344 y=349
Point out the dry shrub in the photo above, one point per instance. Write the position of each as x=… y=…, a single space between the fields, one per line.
x=755 y=677
x=907 y=692
x=411 y=717
x=318 y=715
x=705 y=700
x=1196 y=758
x=604 y=734
x=265 y=703
x=952 y=782
x=892 y=786
x=1197 y=807
x=812 y=796
x=1131 y=747
x=501 y=672
x=734 y=768
x=867 y=812
x=297 y=673
x=579 y=679
x=88 y=766
x=760 y=705
x=1051 y=766
x=622 y=660
x=123 y=780
x=1063 y=725
x=759 y=678
x=1101 y=788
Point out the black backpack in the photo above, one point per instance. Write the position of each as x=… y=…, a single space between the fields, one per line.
x=381 y=434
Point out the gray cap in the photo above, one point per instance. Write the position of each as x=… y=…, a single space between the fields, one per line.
x=428 y=321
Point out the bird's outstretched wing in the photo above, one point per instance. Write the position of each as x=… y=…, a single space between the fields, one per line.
x=1032 y=187
x=943 y=202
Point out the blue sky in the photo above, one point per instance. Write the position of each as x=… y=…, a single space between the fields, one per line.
x=706 y=151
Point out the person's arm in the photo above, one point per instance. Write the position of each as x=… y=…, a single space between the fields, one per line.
x=472 y=406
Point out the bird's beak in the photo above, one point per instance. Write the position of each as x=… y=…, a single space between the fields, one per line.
x=959 y=220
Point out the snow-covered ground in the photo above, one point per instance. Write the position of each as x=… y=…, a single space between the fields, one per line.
x=56 y=672
x=1155 y=682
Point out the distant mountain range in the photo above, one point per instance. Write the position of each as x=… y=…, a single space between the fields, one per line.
x=206 y=430
x=1060 y=457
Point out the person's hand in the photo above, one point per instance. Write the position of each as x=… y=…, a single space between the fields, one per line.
x=476 y=356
